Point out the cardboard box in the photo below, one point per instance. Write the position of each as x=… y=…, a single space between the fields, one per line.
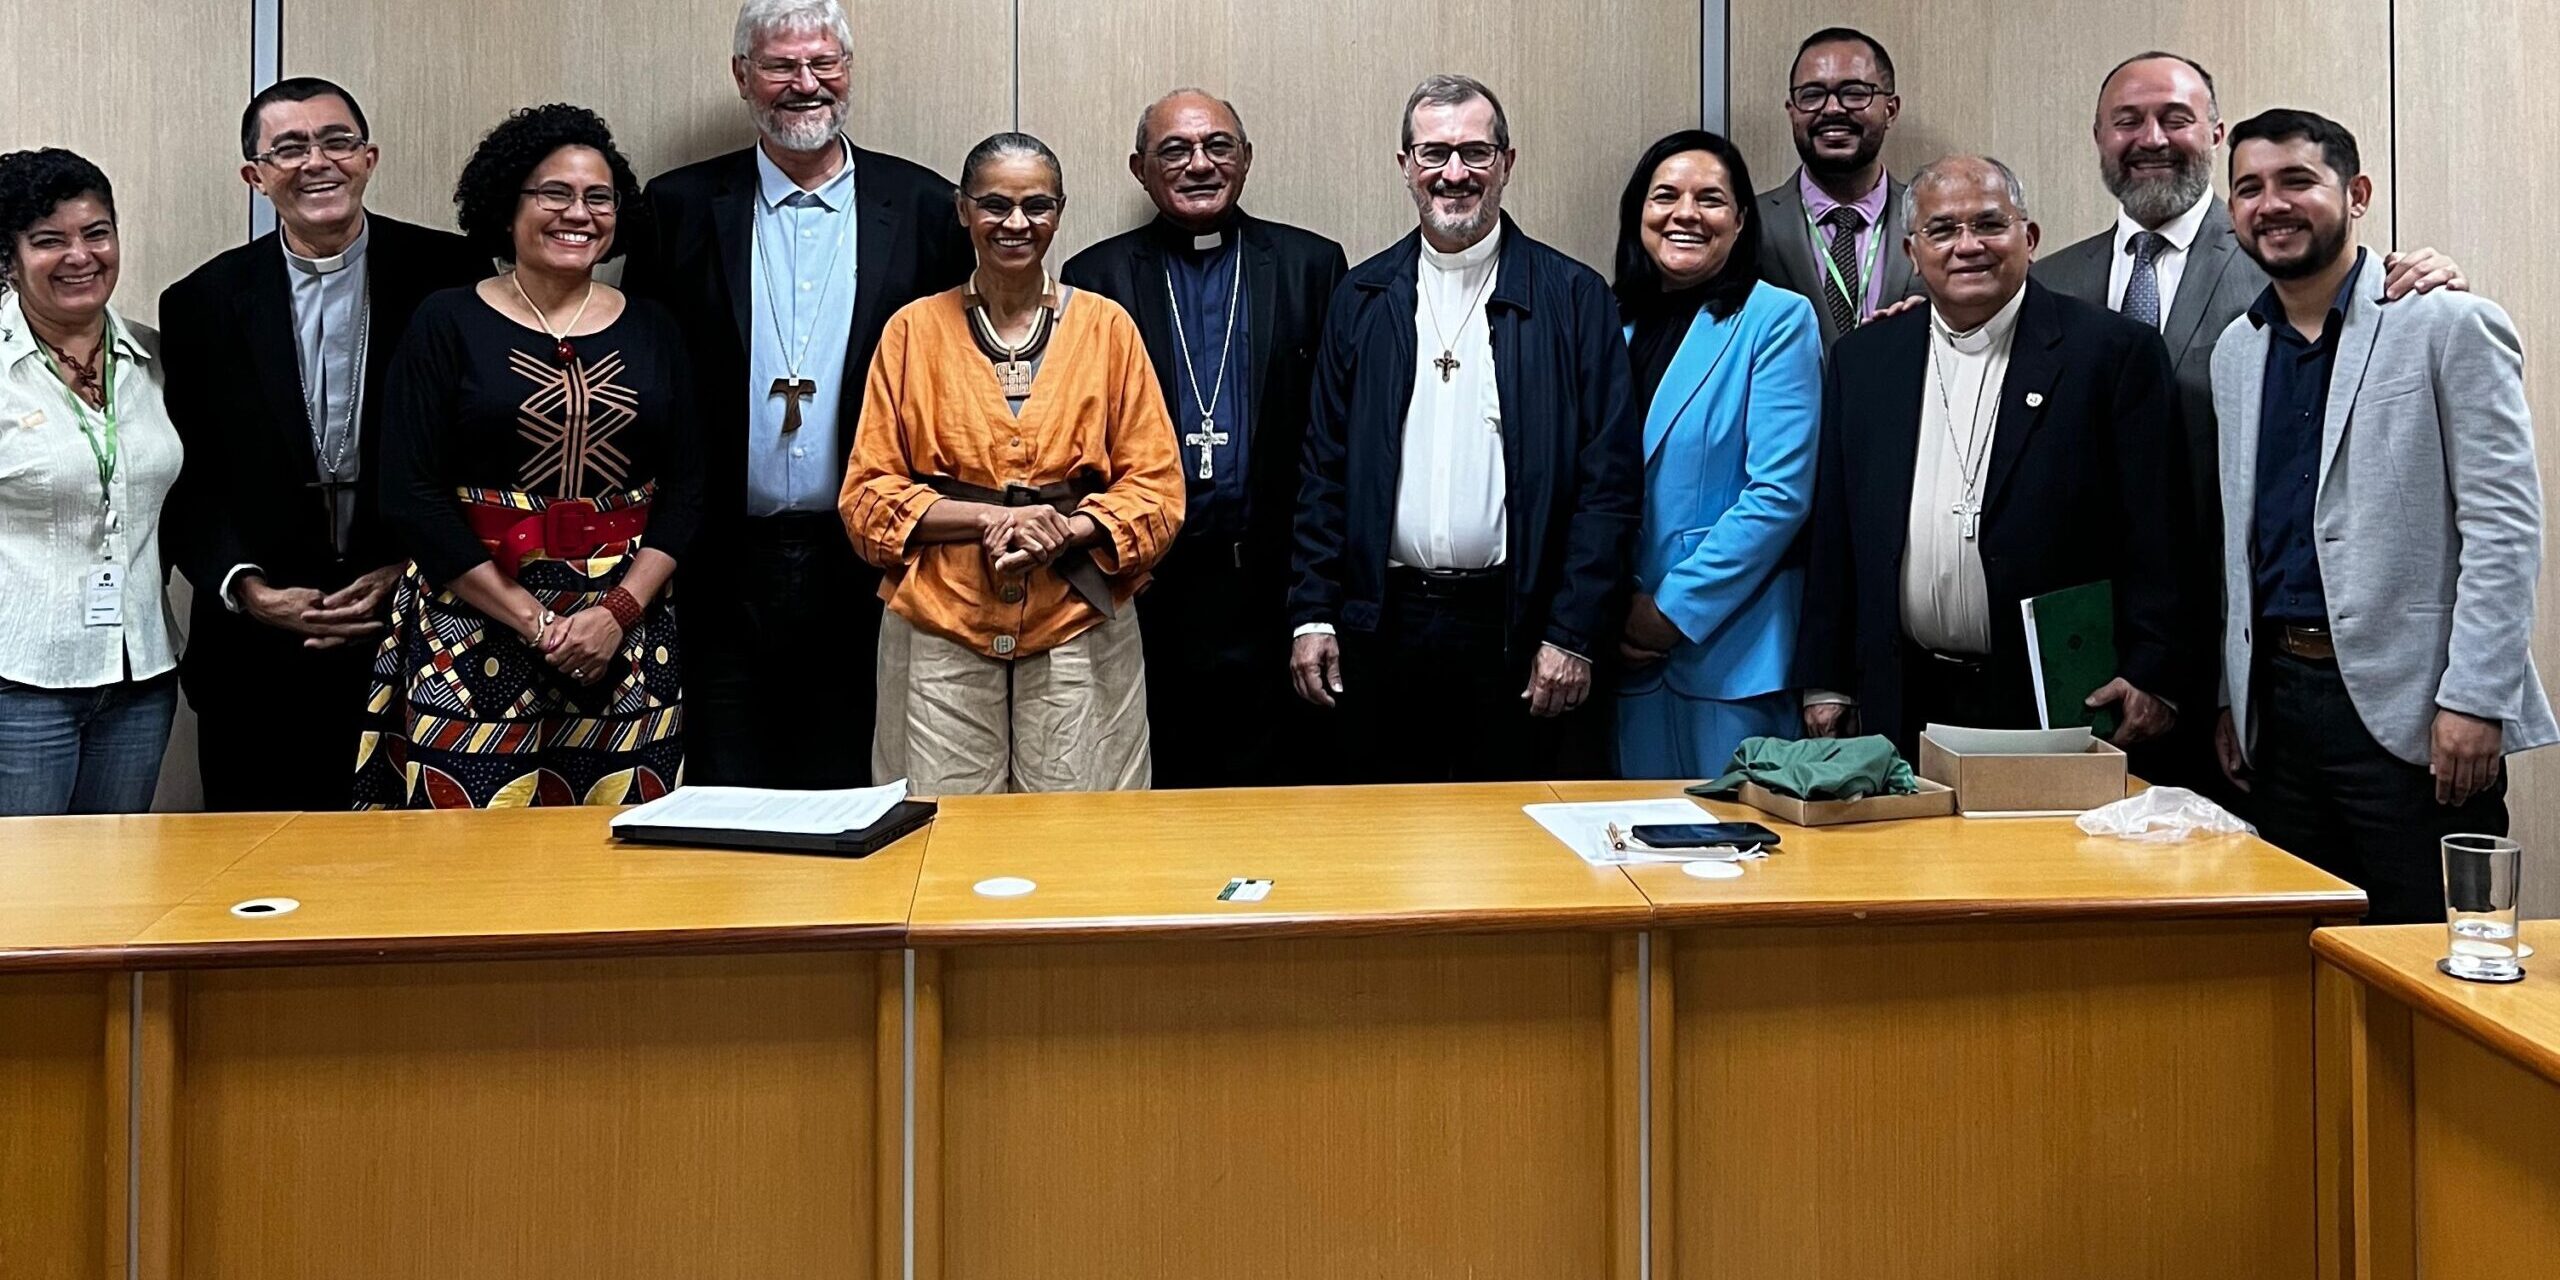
x=2012 y=784
x=1933 y=800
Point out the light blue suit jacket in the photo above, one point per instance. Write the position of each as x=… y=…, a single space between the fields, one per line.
x=1728 y=480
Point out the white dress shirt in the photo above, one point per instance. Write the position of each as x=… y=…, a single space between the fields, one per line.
x=2170 y=266
x=51 y=541
x=1945 y=604
x=1451 y=495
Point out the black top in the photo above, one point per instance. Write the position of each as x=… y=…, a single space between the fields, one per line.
x=1655 y=332
x=2293 y=409
x=478 y=400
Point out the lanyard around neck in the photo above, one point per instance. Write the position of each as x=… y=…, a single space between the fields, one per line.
x=102 y=446
x=1866 y=271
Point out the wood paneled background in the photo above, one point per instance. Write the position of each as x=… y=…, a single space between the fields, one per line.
x=2446 y=96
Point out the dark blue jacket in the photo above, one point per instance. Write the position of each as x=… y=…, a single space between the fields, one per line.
x=1571 y=440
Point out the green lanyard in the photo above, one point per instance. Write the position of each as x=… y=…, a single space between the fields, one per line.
x=1866 y=273
x=102 y=449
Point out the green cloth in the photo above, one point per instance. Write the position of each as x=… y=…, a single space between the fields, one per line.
x=1816 y=769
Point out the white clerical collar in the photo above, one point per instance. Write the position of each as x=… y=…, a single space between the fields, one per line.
x=2180 y=231
x=1474 y=255
x=1982 y=338
x=343 y=259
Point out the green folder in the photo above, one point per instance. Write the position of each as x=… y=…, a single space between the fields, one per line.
x=2071 y=648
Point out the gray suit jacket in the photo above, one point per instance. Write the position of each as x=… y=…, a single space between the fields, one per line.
x=1789 y=258
x=2429 y=514
x=2217 y=287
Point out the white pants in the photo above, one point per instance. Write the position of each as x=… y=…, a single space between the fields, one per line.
x=953 y=721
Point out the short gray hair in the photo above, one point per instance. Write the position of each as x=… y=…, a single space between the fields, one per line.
x=1150 y=113
x=1942 y=170
x=1454 y=91
x=760 y=18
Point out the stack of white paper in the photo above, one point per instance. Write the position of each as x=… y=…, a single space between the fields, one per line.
x=1584 y=828
x=796 y=813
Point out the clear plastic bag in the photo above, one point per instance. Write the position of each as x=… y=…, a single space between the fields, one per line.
x=2163 y=814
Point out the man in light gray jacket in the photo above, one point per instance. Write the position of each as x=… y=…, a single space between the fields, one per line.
x=2382 y=535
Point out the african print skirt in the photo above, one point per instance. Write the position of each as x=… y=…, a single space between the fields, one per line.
x=463 y=714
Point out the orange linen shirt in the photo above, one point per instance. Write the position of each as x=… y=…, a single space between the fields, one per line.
x=933 y=407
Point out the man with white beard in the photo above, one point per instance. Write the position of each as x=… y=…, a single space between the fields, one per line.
x=1472 y=477
x=783 y=261
x=2171 y=262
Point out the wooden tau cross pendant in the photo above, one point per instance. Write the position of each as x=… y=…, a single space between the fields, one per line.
x=1447 y=364
x=793 y=391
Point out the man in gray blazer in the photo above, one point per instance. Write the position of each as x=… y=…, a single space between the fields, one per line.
x=2382 y=536
x=2171 y=262
x=1833 y=231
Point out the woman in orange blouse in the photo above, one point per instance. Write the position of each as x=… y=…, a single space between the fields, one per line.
x=1014 y=475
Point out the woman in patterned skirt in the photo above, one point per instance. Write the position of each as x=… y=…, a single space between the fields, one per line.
x=540 y=467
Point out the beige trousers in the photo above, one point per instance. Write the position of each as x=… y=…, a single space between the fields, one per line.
x=953 y=721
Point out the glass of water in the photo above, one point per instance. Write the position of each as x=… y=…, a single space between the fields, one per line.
x=2480 y=907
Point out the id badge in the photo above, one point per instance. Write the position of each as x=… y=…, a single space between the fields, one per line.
x=104 y=594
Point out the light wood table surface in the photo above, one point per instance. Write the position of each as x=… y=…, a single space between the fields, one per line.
x=519 y=883
x=73 y=891
x=2444 y=1097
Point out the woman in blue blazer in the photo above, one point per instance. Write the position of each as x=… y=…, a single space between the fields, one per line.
x=1730 y=372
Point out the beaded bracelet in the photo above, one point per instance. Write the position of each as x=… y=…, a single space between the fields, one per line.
x=625 y=607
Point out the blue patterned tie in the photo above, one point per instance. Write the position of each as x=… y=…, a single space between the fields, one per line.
x=2142 y=292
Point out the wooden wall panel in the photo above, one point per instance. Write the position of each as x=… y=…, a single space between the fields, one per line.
x=2019 y=79
x=1320 y=84
x=929 y=80
x=55 y=1131
x=2479 y=179
x=151 y=91
x=644 y=1119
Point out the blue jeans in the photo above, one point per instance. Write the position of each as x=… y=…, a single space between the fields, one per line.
x=93 y=750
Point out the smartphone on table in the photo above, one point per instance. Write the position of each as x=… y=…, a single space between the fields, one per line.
x=1704 y=835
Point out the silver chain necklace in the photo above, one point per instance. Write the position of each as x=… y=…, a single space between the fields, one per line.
x=1208 y=436
x=1974 y=453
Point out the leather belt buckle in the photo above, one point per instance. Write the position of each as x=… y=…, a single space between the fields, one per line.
x=2312 y=643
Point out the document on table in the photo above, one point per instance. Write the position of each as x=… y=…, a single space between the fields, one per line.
x=1584 y=828
x=2071 y=740
x=799 y=813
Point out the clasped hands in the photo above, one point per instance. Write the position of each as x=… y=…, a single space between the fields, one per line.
x=352 y=612
x=579 y=645
x=1019 y=539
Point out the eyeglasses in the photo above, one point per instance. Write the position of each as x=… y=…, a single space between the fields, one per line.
x=1854 y=95
x=557 y=197
x=1944 y=232
x=1474 y=155
x=786 y=70
x=1176 y=153
x=1034 y=208
x=293 y=155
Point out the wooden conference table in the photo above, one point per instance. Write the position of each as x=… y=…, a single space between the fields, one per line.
x=2452 y=1099
x=498 y=1045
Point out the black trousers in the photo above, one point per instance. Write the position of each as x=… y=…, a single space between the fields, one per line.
x=2323 y=790
x=1221 y=711
x=294 y=746
x=1433 y=696
x=1977 y=693
x=781 y=636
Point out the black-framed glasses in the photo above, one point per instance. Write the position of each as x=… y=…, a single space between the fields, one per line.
x=1853 y=95
x=1474 y=155
x=1944 y=232
x=558 y=196
x=1034 y=208
x=1176 y=153
x=786 y=70
x=293 y=155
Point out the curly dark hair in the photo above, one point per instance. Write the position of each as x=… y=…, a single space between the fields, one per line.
x=485 y=198
x=35 y=183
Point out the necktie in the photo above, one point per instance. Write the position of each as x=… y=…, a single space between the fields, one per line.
x=1845 y=223
x=2142 y=291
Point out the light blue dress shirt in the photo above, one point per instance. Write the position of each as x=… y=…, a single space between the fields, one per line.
x=801 y=268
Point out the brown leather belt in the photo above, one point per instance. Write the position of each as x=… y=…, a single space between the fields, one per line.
x=2312 y=643
x=1084 y=577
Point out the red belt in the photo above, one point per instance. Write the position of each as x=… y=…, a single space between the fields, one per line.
x=565 y=529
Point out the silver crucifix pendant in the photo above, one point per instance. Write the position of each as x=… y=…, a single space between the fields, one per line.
x=1207 y=437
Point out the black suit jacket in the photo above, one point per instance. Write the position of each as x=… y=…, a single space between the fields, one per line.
x=1289 y=277
x=1572 y=437
x=692 y=256
x=235 y=395
x=2087 y=481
